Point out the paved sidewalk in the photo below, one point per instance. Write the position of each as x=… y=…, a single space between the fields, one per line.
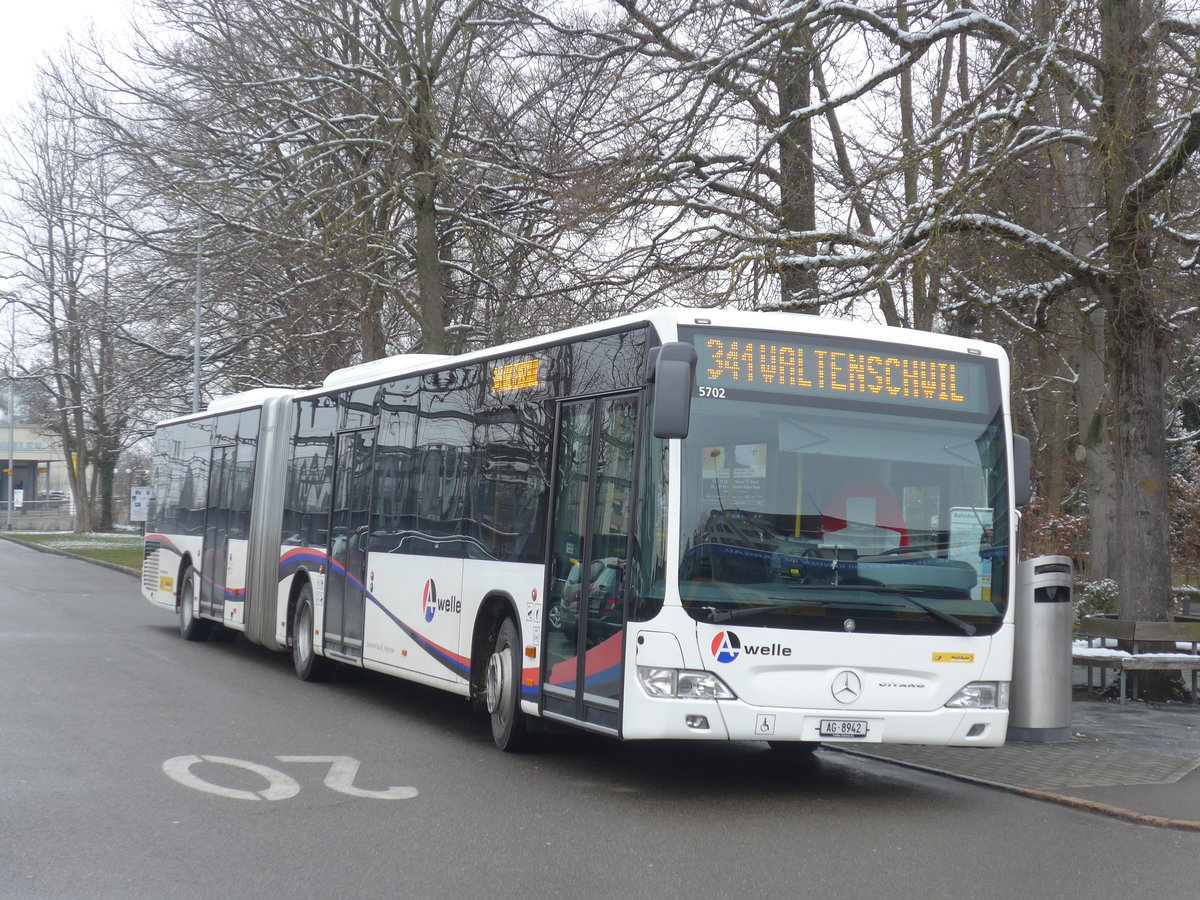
x=1137 y=761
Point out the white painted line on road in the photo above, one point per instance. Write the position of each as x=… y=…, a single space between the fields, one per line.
x=282 y=787
x=340 y=777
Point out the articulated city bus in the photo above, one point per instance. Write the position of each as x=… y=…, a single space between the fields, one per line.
x=682 y=524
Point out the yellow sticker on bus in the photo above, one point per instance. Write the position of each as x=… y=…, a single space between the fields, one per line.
x=954 y=657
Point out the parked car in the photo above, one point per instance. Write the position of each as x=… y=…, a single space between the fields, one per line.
x=604 y=601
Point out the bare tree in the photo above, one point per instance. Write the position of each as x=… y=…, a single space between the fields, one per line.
x=63 y=257
x=358 y=167
x=1029 y=174
x=1099 y=127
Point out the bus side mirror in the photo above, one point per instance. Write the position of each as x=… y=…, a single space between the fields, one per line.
x=673 y=371
x=1021 y=469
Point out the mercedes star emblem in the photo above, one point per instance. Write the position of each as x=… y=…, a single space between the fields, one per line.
x=846 y=687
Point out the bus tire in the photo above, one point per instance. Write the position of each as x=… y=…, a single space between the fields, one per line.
x=510 y=730
x=309 y=666
x=191 y=626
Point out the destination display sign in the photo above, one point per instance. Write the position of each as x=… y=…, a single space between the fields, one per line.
x=518 y=376
x=849 y=370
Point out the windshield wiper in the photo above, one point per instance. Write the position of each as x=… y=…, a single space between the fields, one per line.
x=730 y=615
x=908 y=594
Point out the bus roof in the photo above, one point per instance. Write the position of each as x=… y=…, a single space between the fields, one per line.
x=666 y=320
x=379 y=369
x=251 y=399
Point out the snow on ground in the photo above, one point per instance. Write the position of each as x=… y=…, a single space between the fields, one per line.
x=90 y=541
x=1081 y=648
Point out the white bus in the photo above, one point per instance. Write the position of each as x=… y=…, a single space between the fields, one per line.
x=681 y=524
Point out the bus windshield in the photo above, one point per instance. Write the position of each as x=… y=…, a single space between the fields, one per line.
x=805 y=513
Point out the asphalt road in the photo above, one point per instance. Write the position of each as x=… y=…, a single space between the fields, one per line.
x=136 y=765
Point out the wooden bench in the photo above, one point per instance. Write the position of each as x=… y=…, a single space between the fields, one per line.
x=1104 y=629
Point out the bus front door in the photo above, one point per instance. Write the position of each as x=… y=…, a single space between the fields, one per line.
x=349 y=540
x=593 y=484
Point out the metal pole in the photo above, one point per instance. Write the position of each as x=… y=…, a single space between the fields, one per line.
x=8 y=519
x=196 y=328
x=12 y=380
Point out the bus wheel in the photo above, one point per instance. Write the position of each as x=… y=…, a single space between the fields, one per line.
x=191 y=627
x=309 y=666
x=509 y=729
x=794 y=749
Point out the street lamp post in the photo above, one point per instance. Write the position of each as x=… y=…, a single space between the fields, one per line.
x=12 y=495
x=191 y=164
x=196 y=327
x=12 y=380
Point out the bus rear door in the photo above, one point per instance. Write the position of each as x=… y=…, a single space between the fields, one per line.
x=214 y=558
x=349 y=539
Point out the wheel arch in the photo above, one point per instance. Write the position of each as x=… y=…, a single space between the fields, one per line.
x=495 y=608
x=185 y=563
x=299 y=580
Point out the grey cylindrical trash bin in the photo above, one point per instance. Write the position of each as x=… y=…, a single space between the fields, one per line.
x=1040 y=702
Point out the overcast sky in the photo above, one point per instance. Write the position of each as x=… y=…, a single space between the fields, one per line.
x=33 y=28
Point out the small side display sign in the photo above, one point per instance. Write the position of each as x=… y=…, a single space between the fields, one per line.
x=517 y=376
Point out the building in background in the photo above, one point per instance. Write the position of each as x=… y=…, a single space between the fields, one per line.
x=40 y=488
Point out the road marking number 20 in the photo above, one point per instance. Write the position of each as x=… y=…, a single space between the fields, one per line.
x=281 y=786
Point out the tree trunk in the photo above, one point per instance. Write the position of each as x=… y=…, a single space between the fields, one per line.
x=922 y=308
x=1099 y=471
x=1136 y=343
x=1052 y=423
x=1136 y=353
x=431 y=301
x=799 y=290
x=105 y=469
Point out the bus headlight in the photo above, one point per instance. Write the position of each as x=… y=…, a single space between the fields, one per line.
x=686 y=684
x=981 y=695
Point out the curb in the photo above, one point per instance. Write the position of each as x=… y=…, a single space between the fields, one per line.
x=1105 y=809
x=67 y=553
